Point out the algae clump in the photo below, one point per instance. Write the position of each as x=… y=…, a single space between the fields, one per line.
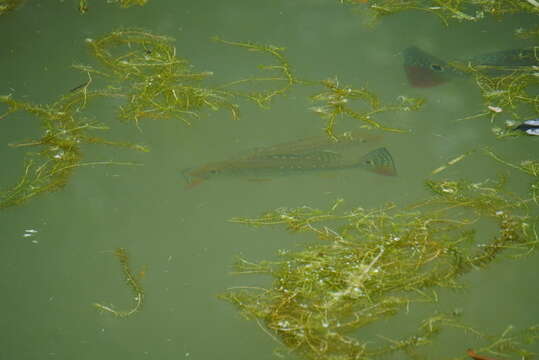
x=337 y=102
x=83 y=4
x=58 y=150
x=374 y=263
x=447 y=10
x=161 y=85
x=9 y=5
x=506 y=90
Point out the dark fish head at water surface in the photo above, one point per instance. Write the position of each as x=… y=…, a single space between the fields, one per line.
x=424 y=70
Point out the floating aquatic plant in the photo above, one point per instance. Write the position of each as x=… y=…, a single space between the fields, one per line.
x=83 y=4
x=282 y=72
x=9 y=5
x=447 y=10
x=530 y=167
x=511 y=94
x=339 y=101
x=158 y=84
x=57 y=153
x=161 y=85
x=132 y=282
x=371 y=264
x=508 y=91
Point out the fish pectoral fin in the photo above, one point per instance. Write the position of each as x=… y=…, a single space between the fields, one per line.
x=379 y=161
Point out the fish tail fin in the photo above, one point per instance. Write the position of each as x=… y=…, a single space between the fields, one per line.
x=379 y=161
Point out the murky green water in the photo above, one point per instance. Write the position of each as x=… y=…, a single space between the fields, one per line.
x=181 y=236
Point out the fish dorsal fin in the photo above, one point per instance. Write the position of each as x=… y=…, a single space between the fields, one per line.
x=315 y=154
x=310 y=145
x=379 y=161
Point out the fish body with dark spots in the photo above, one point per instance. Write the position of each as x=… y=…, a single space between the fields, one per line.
x=425 y=70
x=317 y=153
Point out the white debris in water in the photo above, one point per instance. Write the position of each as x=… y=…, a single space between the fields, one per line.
x=510 y=123
x=29 y=233
x=496 y=109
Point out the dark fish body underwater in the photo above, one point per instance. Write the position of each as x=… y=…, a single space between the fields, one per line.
x=317 y=153
x=425 y=70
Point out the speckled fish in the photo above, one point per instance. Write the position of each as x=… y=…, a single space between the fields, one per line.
x=350 y=150
x=425 y=70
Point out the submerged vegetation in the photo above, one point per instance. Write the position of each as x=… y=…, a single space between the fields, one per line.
x=132 y=282
x=510 y=93
x=143 y=69
x=157 y=83
x=372 y=264
x=58 y=151
x=507 y=93
x=338 y=103
x=160 y=85
x=529 y=167
x=447 y=10
x=281 y=73
x=9 y=5
x=83 y=4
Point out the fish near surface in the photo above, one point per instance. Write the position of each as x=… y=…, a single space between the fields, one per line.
x=425 y=70
x=350 y=150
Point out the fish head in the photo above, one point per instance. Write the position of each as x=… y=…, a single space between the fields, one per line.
x=379 y=161
x=424 y=70
x=196 y=176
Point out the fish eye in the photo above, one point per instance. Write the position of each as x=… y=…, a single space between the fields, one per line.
x=436 y=67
